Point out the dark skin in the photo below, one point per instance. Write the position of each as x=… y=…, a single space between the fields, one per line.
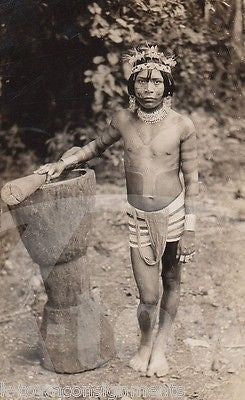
x=150 y=358
x=152 y=165
x=158 y=167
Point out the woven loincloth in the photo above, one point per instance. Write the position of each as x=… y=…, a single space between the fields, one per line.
x=155 y=228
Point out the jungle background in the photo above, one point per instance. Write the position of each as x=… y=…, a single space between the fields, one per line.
x=61 y=79
x=62 y=74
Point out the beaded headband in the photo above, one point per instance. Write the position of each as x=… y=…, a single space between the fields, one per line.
x=149 y=57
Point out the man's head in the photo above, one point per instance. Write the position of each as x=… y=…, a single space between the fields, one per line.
x=151 y=77
x=150 y=86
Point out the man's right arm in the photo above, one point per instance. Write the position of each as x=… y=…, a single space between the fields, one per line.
x=93 y=149
x=77 y=155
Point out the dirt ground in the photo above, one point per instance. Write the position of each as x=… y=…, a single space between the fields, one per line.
x=206 y=350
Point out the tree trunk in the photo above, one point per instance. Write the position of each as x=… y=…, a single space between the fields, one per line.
x=237 y=29
x=207 y=9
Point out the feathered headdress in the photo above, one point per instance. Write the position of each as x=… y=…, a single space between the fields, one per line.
x=149 y=57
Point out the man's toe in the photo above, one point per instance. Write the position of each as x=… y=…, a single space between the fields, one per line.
x=150 y=372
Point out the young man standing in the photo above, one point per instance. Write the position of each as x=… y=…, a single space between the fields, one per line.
x=158 y=144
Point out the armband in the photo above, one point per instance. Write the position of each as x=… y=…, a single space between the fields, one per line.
x=69 y=161
x=190 y=222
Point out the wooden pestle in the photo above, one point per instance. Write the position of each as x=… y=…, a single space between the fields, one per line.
x=14 y=192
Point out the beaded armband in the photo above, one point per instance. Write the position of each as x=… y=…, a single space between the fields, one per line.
x=190 y=222
x=70 y=161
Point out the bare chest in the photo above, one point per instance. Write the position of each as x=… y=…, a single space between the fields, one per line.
x=156 y=140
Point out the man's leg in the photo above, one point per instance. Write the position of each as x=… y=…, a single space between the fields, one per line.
x=147 y=280
x=168 y=308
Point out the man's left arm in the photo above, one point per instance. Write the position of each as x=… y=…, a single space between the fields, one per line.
x=189 y=167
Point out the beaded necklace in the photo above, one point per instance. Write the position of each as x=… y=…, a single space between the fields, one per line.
x=154 y=116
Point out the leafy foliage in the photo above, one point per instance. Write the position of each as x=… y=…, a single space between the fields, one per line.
x=61 y=64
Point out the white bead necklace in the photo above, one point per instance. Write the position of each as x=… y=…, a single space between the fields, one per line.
x=154 y=116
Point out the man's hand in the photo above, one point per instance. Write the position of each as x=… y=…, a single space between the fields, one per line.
x=52 y=170
x=186 y=246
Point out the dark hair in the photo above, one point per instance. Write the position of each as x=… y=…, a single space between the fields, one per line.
x=167 y=80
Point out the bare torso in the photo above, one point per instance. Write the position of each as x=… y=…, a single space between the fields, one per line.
x=151 y=160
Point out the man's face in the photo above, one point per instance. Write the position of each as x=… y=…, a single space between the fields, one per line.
x=149 y=88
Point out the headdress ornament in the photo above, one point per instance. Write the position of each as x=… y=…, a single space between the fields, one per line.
x=149 y=57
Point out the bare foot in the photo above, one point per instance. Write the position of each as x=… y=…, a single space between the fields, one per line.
x=158 y=364
x=141 y=359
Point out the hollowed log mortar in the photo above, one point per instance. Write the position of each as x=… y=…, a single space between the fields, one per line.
x=55 y=224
